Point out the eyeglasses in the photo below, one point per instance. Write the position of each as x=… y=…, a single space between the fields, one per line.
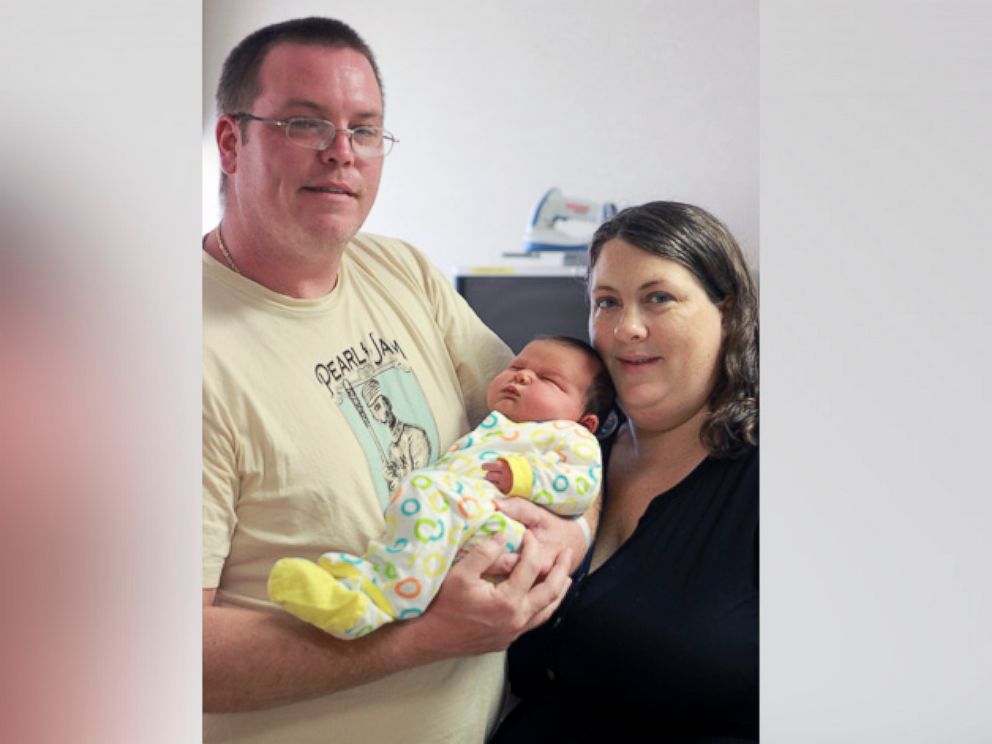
x=319 y=134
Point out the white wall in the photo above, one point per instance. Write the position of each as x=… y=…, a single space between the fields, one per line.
x=495 y=102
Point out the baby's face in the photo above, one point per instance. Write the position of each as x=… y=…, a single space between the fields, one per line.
x=547 y=380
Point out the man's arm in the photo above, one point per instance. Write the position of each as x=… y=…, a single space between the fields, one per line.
x=254 y=660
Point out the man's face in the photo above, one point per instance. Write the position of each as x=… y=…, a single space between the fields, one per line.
x=292 y=196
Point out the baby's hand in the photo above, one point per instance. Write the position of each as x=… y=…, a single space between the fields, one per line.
x=498 y=473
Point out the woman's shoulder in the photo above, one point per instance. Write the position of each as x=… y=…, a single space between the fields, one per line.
x=748 y=458
x=731 y=483
x=719 y=479
x=740 y=471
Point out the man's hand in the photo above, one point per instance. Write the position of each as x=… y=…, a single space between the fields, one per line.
x=554 y=533
x=498 y=473
x=471 y=615
x=254 y=659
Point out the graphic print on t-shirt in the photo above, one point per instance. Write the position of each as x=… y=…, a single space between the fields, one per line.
x=385 y=406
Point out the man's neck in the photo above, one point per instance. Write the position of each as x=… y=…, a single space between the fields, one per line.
x=301 y=272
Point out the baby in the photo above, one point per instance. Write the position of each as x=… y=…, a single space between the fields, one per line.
x=536 y=443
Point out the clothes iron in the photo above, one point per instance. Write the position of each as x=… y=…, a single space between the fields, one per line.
x=543 y=234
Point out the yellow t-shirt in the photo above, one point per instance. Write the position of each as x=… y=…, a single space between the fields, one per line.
x=305 y=406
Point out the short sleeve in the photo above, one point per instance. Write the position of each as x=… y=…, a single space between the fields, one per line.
x=477 y=353
x=220 y=488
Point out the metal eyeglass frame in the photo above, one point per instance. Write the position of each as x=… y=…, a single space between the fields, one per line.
x=388 y=139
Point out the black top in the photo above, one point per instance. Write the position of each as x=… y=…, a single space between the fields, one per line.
x=660 y=643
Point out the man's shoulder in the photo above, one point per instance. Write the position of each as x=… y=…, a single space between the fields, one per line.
x=382 y=256
x=372 y=244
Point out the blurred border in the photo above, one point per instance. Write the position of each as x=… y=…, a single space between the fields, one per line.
x=874 y=232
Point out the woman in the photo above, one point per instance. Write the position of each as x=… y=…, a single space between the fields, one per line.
x=658 y=638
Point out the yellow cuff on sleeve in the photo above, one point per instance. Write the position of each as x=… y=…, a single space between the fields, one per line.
x=523 y=476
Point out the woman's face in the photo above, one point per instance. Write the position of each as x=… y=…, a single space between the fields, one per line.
x=658 y=332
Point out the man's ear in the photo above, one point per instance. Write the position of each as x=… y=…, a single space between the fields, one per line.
x=590 y=421
x=228 y=135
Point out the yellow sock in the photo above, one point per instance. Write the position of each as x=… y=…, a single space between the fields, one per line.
x=310 y=593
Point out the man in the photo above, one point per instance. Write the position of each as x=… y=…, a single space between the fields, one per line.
x=300 y=312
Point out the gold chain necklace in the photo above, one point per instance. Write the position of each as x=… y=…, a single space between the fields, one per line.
x=227 y=254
